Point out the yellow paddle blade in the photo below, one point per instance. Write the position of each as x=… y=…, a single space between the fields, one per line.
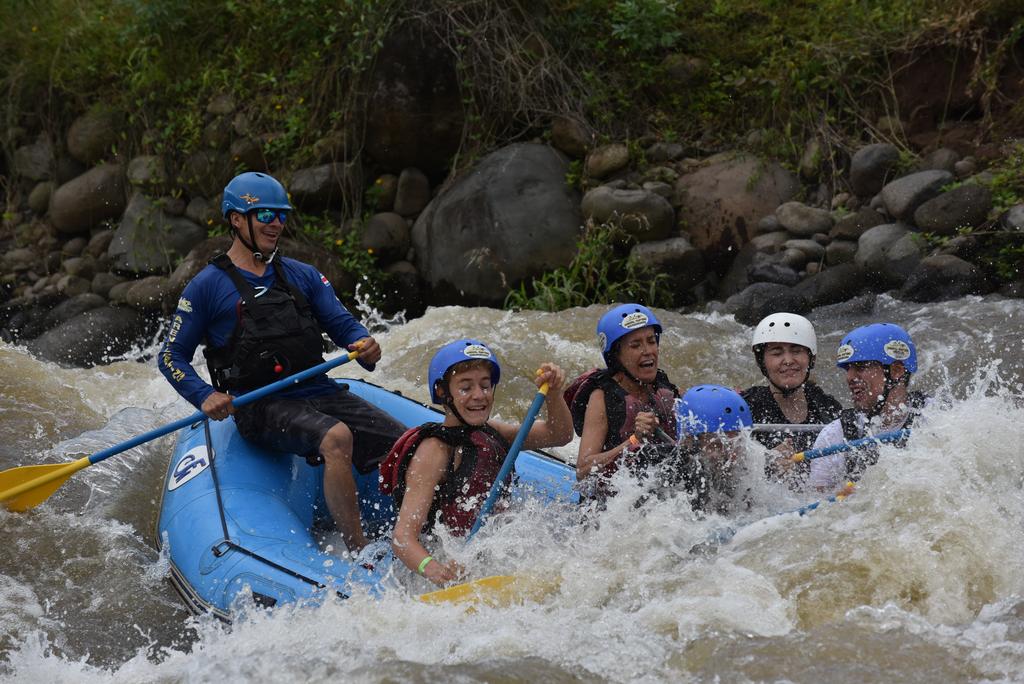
x=28 y=486
x=495 y=591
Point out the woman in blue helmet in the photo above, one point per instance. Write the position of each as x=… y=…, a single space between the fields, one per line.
x=619 y=410
x=879 y=360
x=444 y=471
x=711 y=419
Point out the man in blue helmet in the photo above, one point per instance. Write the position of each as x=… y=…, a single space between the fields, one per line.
x=879 y=360
x=712 y=461
x=260 y=315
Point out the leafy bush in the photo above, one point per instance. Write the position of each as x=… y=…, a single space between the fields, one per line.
x=599 y=274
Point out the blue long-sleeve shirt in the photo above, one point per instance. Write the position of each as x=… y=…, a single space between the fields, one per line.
x=208 y=311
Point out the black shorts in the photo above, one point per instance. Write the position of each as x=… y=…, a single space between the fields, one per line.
x=298 y=426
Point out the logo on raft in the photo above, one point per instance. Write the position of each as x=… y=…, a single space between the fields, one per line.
x=897 y=349
x=635 y=320
x=476 y=351
x=195 y=461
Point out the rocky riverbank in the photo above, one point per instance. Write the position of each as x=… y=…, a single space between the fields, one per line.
x=97 y=248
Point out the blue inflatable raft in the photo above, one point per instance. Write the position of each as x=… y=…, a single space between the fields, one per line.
x=237 y=522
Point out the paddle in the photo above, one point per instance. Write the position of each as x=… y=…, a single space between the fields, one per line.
x=497 y=589
x=510 y=460
x=787 y=427
x=884 y=438
x=28 y=486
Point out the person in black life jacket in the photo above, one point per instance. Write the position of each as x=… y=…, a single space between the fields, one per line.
x=444 y=472
x=879 y=360
x=713 y=421
x=260 y=315
x=785 y=347
x=623 y=413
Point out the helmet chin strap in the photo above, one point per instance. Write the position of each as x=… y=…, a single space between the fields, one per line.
x=890 y=385
x=251 y=246
x=449 y=402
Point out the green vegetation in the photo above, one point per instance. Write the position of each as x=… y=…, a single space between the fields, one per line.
x=703 y=72
x=600 y=273
x=999 y=253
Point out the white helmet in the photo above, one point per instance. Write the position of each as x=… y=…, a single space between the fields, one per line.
x=785 y=327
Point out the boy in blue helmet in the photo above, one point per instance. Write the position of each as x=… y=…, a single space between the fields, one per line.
x=879 y=360
x=712 y=420
x=444 y=471
x=260 y=315
x=623 y=413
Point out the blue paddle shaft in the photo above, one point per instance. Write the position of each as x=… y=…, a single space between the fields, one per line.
x=883 y=438
x=510 y=461
x=246 y=398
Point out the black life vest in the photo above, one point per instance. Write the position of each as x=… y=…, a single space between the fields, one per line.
x=276 y=334
x=822 y=409
x=853 y=422
x=464 y=489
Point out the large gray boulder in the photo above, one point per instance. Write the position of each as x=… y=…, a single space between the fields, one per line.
x=148 y=241
x=964 y=206
x=889 y=253
x=84 y=201
x=93 y=134
x=834 y=284
x=872 y=167
x=720 y=204
x=645 y=215
x=92 y=337
x=763 y=299
x=904 y=195
x=510 y=218
x=675 y=257
x=943 y=276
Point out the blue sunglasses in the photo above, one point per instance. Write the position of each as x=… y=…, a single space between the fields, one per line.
x=267 y=215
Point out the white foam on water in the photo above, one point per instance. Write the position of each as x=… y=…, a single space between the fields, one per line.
x=919 y=569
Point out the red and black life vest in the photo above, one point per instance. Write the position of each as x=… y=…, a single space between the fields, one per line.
x=276 y=334
x=852 y=421
x=621 y=407
x=464 y=489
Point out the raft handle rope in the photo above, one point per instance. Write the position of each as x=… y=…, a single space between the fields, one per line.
x=228 y=544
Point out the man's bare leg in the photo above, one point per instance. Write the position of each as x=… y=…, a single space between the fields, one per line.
x=340 y=489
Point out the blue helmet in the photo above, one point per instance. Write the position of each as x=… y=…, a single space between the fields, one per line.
x=712 y=408
x=457 y=352
x=886 y=343
x=253 y=190
x=622 y=320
